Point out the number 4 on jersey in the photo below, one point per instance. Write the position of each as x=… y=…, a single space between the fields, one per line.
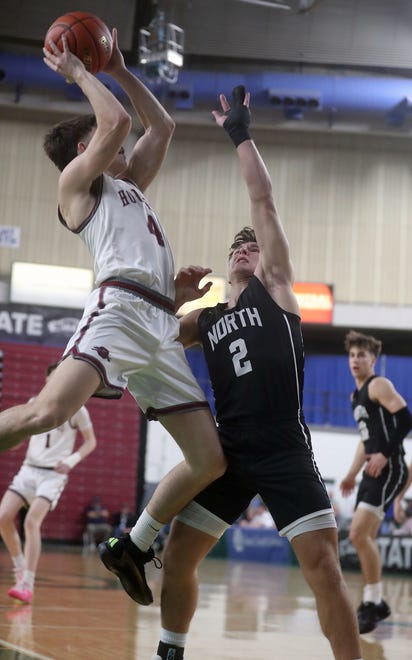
x=154 y=229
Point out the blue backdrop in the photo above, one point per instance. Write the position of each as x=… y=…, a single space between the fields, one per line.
x=328 y=384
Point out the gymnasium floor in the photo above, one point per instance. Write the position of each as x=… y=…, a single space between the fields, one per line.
x=246 y=610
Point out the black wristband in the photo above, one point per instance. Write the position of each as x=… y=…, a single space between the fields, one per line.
x=238 y=118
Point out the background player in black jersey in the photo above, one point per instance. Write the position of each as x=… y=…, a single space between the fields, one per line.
x=383 y=420
x=254 y=349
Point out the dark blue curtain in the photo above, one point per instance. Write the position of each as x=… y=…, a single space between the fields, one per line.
x=328 y=384
x=196 y=359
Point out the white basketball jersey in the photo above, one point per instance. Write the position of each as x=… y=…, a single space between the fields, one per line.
x=47 y=449
x=126 y=239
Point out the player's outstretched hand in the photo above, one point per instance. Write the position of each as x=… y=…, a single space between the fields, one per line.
x=221 y=116
x=187 y=284
x=235 y=117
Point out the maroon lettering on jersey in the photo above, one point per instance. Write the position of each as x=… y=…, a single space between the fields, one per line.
x=154 y=229
x=123 y=197
x=134 y=196
x=129 y=196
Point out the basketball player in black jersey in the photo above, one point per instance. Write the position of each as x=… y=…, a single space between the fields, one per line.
x=383 y=420
x=254 y=350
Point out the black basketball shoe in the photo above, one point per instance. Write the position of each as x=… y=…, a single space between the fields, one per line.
x=370 y=614
x=123 y=558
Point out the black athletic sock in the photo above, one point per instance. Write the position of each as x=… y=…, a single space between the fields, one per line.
x=170 y=651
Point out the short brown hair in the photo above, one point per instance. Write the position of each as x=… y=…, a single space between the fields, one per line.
x=60 y=143
x=360 y=340
x=245 y=235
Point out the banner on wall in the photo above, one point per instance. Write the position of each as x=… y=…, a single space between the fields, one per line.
x=42 y=324
x=395 y=552
x=36 y=324
x=315 y=301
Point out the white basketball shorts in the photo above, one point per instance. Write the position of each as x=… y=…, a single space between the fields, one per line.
x=132 y=342
x=31 y=482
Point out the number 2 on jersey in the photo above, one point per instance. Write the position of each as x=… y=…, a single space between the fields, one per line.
x=239 y=352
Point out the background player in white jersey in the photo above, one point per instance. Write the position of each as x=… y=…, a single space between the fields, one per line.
x=254 y=351
x=383 y=420
x=128 y=334
x=37 y=487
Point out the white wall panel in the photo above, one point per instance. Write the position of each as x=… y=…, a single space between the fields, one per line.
x=28 y=198
x=345 y=201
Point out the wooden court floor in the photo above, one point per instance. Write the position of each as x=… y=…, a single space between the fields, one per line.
x=246 y=610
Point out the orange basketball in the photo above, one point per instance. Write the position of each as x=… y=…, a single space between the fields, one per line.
x=87 y=37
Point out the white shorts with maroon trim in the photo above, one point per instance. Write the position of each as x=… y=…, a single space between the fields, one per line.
x=31 y=482
x=132 y=342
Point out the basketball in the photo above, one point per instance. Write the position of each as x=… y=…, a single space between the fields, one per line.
x=87 y=37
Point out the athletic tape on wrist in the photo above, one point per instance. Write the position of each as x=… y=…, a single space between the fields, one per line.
x=238 y=118
x=72 y=460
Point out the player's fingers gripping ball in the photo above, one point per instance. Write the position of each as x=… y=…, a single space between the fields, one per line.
x=87 y=37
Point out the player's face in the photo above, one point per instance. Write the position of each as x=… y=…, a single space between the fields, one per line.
x=361 y=362
x=244 y=259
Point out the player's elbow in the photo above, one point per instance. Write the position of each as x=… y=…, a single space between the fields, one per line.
x=165 y=128
x=124 y=122
x=90 y=445
x=169 y=125
x=116 y=126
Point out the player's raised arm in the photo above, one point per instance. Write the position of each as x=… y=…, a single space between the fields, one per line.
x=95 y=152
x=274 y=266
x=150 y=149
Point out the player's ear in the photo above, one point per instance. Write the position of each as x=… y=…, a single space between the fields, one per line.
x=81 y=147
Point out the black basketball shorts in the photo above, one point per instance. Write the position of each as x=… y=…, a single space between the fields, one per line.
x=378 y=493
x=275 y=461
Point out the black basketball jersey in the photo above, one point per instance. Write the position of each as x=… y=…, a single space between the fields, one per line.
x=374 y=421
x=255 y=356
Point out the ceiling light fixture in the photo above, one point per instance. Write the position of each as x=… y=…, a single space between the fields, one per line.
x=297 y=6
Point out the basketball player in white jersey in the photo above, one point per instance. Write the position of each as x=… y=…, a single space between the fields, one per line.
x=128 y=334
x=37 y=487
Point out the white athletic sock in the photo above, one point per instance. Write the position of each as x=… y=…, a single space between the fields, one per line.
x=372 y=593
x=19 y=562
x=145 y=531
x=28 y=579
x=169 y=637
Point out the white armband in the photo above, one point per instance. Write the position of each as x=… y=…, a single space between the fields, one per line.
x=72 y=460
